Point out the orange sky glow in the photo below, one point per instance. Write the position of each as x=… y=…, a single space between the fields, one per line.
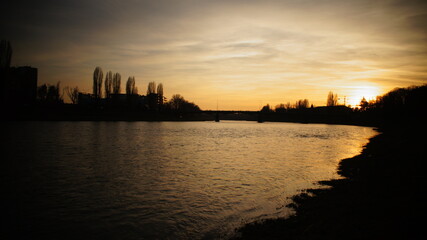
x=241 y=54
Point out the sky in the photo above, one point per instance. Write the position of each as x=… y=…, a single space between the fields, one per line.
x=241 y=54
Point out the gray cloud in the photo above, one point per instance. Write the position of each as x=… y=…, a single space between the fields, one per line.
x=222 y=42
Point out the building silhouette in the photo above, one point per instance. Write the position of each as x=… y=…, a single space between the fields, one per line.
x=18 y=85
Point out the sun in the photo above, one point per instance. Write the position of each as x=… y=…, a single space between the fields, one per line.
x=359 y=92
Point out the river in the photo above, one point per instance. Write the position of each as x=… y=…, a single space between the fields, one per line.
x=162 y=180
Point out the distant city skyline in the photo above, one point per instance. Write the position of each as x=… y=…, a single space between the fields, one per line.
x=241 y=54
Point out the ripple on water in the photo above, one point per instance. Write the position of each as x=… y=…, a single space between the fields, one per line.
x=165 y=180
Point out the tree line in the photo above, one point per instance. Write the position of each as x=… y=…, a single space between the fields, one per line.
x=108 y=89
x=112 y=84
x=401 y=106
x=331 y=101
x=410 y=99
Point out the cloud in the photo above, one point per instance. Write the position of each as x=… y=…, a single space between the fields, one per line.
x=265 y=49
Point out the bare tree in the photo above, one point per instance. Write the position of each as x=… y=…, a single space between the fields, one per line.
x=130 y=86
x=49 y=93
x=266 y=108
x=280 y=108
x=117 y=78
x=332 y=100
x=301 y=104
x=97 y=82
x=178 y=103
x=108 y=83
x=5 y=54
x=363 y=104
x=72 y=93
x=53 y=93
x=151 y=89
x=152 y=100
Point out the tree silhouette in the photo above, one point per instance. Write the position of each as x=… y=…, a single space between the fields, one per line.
x=42 y=93
x=130 y=86
x=49 y=93
x=363 y=104
x=72 y=93
x=160 y=94
x=97 y=82
x=116 y=83
x=302 y=104
x=266 y=108
x=179 y=104
x=151 y=89
x=401 y=105
x=280 y=108
x=176 y=102
x=332 y=100
x=5 y=54
x=53 y=94
x=152 y=97
x=108 y=84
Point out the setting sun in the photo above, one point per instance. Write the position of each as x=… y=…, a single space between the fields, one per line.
x=270 y=52
x=201 y=119
x=367 y=92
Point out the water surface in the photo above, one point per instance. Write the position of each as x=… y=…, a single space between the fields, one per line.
x=162 y=180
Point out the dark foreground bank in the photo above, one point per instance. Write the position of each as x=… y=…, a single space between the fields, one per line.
x=382 y=197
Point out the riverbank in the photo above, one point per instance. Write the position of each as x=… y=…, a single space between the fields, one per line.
x=382 y=196
x=72 y=112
